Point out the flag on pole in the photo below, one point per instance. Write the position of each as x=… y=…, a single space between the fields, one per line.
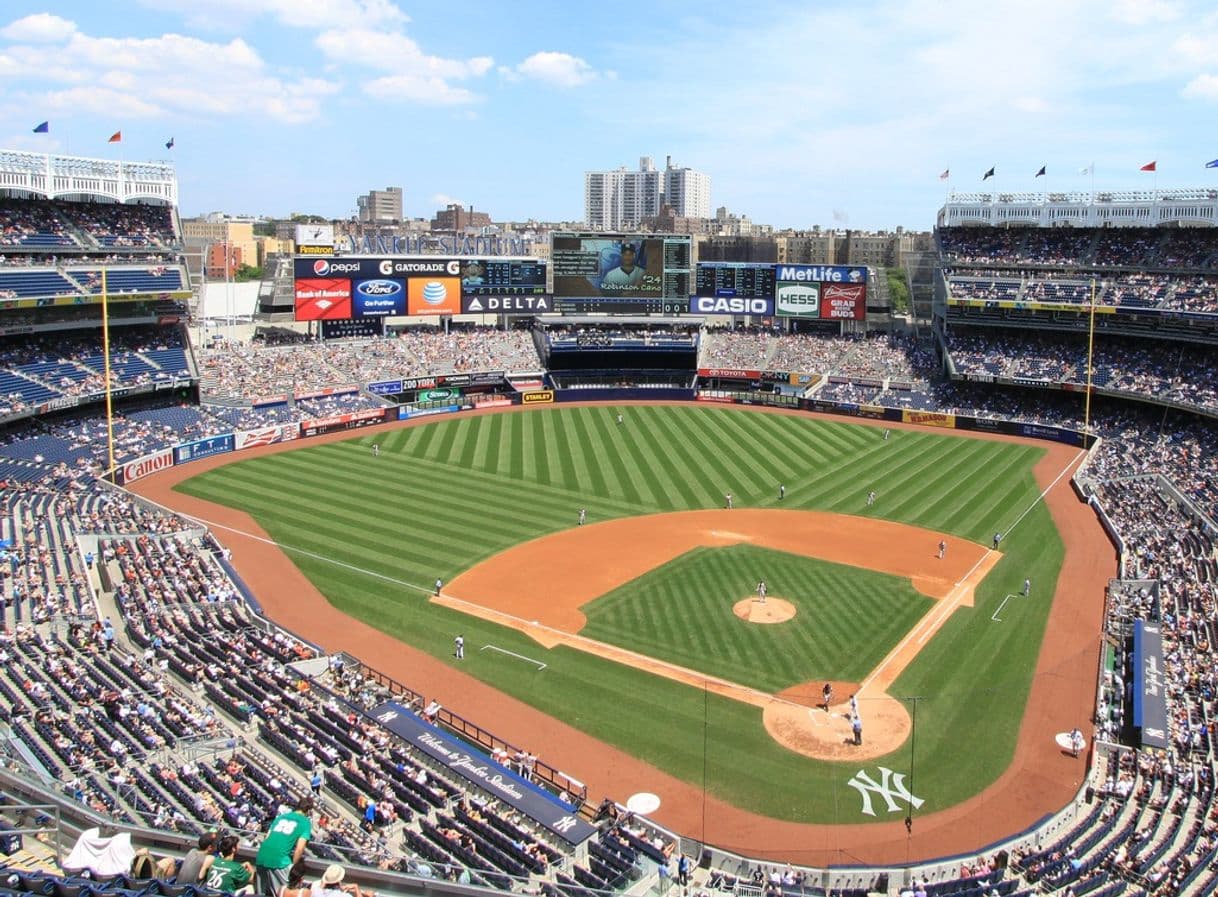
x=169 y=143
x=1149 y=166
x=1087 y=169
x=1041 y=172
x=989 y=174
x=948 y=171
x=116 y=137
x=43 y=128
x=1213 y=164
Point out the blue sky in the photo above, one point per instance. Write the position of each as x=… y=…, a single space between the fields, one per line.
x=837 y=114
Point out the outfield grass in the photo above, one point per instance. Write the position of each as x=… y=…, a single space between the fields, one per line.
x=682 y=612
x=444 y=496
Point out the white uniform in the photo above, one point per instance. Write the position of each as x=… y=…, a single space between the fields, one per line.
x=459 y=642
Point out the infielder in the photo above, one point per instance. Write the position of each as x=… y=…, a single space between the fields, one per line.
x=459 y=645
x=583 y=515
x=942 y=548
x=439 y=585
x=728 y=498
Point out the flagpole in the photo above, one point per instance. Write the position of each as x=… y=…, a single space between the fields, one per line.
x=105 y=297
x=1090 y=366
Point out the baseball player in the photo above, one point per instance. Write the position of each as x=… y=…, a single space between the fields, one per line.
x=870 y=498
x=728 y=498
x=886 y=432
x=583 y=515
x=997 y=539
x=761 y=590
x=854 y=705
x=619 y=420
x=459 y=645
x=827 y=694
x=782 y=491
x=439 y=585
x=376 y=450
x=856 y=726
x=1027 y=587
x=942 y=548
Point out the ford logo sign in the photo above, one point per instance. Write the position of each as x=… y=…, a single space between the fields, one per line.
x=379 y=287
x=321 y=267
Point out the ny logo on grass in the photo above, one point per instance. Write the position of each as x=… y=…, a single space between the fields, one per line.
x=891 y=787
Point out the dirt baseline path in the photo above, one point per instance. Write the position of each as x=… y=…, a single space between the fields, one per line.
x=539 y=587
x=1038 y=780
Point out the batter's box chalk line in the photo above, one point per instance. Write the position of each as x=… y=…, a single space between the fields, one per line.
x=540 y=666
x=995 y=616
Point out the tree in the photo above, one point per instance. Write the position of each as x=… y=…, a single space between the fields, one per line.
x=898 y=290
x=246 y=273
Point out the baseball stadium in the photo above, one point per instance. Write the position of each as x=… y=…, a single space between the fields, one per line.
x=612 y=570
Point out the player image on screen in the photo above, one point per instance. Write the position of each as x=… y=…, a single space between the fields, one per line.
x=473 y=274
x=626 y=275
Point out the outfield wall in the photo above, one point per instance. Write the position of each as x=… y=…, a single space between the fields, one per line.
x=238 y=440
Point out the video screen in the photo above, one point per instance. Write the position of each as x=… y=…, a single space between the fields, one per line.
x=503 y=277
x=612 y=267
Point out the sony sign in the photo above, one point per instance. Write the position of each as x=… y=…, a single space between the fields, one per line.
x=797 y=300
x=730 y=305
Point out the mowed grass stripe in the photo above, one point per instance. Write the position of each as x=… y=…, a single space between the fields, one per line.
x=743 y=473
x=677 y=481
x=619 y=475
x=690 y=481
x=647 y=485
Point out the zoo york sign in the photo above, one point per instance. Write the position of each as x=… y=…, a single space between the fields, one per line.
x=891 y=787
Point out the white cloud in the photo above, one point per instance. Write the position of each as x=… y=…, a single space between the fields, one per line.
x=1203 y=87
x=443 y=200
x=411 y=75
x=235 y=15
x=1143 y=12
x=1030 y=104
x=553 y=68
x=73 y=72
x=39 y=28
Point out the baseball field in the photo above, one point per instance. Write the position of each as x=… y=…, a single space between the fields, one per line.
x=646 y=617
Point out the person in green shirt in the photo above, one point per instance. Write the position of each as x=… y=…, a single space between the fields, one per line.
x=226 y=874
x=283 y=845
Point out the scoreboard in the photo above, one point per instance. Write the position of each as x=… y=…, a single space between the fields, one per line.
x=730 y=279
x=503 y=277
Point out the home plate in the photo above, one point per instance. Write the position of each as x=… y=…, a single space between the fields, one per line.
x=643 y=803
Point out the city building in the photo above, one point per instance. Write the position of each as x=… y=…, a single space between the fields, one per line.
x=380 y=206
x=455 y=219
x=622 y=199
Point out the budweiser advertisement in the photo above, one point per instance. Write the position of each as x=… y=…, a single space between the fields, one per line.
x=843 y=301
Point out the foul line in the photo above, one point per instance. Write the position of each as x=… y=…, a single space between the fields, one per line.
x=309 y=554
x=994 y=615
x=930 y=624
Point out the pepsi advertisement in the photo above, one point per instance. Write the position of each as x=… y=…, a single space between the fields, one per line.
x=378 y=298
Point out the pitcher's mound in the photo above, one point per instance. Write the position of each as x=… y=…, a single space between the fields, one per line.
x=775 y=610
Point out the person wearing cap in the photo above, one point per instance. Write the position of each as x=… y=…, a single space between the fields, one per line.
x=331 y=884
x=627 y=274
x=283 y=845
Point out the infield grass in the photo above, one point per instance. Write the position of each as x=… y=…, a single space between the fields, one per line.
x=682 y=613
x=445 y=495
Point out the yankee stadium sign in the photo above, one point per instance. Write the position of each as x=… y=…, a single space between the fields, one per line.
x=380 y=244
